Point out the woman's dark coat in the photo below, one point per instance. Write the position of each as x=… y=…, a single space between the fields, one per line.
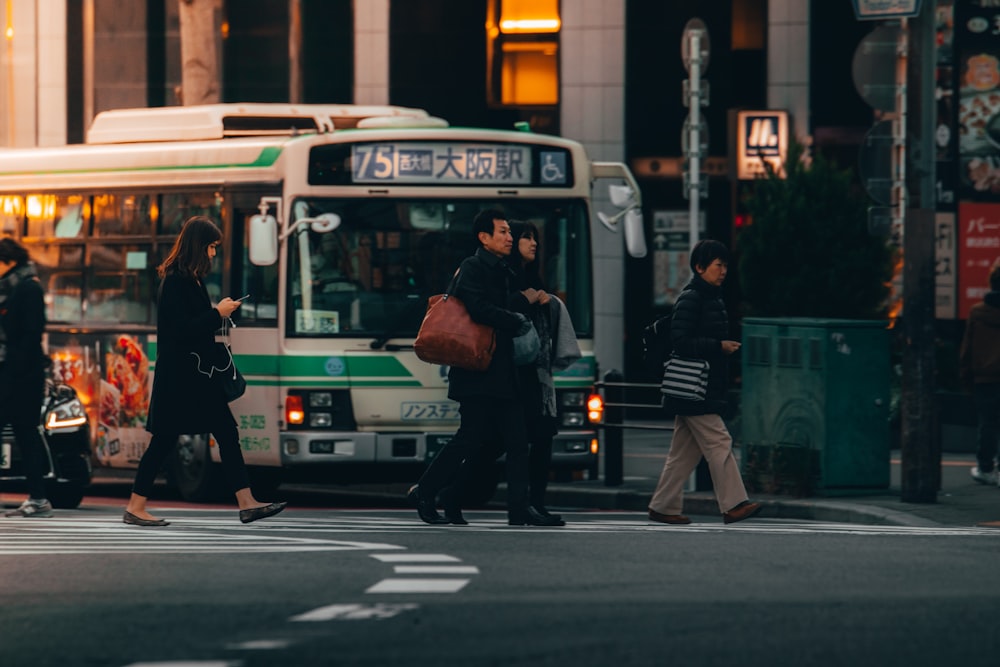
x=185 y=400
x=698 y=326
x=483 y=285
x=22 y=316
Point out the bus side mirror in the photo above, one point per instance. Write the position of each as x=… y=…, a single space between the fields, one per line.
x=263 y=235
x=635 y=235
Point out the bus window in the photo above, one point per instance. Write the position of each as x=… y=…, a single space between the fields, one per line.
x=60 y=269
x=58 y=216
x=119 y=284
x=123 y=215
x=11 y=214
x=373 y=274
x=176 y=208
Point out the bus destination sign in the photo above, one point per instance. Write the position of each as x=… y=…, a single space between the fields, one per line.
x=441 y=163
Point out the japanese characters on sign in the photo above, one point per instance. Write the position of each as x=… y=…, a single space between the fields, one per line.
x=444 y=163
x=762 y=138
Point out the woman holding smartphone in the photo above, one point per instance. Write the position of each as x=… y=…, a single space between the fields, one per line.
x=185 y=400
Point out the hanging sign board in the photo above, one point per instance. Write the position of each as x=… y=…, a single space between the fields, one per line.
x=762 y=137
x=874 y=10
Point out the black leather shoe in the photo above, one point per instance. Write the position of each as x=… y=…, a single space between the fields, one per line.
x=251 y=515
x=425 y=508
x=529 y=517
x=452 y=508
x=549 y=515
x=133 y=520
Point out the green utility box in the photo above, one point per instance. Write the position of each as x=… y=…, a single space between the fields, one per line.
x=815 y=405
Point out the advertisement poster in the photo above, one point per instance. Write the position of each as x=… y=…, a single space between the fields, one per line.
x=111 y=375
x=977 y=70
x=979 y=242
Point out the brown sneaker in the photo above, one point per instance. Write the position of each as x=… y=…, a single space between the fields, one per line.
x=674 y=519
x=744 y=510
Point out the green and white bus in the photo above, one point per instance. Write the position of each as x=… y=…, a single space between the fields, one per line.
x=339 y=222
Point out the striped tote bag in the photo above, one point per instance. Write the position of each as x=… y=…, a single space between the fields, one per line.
x=685 y=379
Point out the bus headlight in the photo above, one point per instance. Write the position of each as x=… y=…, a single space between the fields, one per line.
x=320 y=419
x=572 y=419
x=66 y=415
x=320 y=399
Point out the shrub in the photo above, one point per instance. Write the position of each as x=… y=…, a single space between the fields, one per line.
x=808 y=251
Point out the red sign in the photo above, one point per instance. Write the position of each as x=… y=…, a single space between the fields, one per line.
x=979 y=247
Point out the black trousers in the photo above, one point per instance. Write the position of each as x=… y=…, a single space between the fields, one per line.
x=488 y=425
x=226 y=435
x=20 y=407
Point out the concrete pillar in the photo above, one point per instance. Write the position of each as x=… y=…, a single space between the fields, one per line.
x=788 y=62
x=592 y=111
x=371 y=52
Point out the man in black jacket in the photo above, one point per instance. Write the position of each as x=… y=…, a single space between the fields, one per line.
x=488 y=400
x=22 y=368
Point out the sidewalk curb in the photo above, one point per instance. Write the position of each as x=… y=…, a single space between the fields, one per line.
x=704 y=504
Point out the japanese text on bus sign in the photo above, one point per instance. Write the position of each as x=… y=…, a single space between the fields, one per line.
x=440 y=163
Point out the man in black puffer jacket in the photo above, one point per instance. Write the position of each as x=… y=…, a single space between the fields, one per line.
x=699 y=329
x=492 y=418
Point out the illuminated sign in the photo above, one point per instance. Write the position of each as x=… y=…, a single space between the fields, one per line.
x=442 y=163
x=870 y=10
x=762 y=138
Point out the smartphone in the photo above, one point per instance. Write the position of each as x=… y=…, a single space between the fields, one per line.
x=243 y=298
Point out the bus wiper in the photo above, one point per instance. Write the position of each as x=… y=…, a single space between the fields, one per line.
x=394 y=328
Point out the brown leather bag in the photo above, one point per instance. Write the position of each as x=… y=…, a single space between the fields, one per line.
x=450 y=337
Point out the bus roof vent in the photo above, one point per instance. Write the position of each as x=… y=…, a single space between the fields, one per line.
x=400 y=121
x=219 y=121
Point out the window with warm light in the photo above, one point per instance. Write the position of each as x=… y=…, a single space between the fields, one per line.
x=522 y=39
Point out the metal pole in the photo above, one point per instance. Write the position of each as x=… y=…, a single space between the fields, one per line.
x=694 y=138
x=614 y=437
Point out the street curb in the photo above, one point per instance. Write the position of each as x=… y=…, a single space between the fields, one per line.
x=704 y=504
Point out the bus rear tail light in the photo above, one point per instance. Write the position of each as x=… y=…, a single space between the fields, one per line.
x=294 y=411
x=595 y=409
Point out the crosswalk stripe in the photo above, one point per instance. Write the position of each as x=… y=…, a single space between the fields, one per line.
x=403 y=585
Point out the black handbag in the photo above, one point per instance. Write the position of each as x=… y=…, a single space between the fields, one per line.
x=222 y=368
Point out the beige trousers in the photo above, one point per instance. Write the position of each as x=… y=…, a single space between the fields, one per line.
x=696 y=436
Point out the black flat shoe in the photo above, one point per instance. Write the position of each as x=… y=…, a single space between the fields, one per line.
x=529 y=517
x=133 y=520
x=549 y=515
x=425 y=508
x=250 y=515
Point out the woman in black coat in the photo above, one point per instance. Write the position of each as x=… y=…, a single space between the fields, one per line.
x=699 y=329
x=22 y=368
x=186 y=400
x=540 y=418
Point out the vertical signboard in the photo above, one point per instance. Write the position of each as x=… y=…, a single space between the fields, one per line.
x=671 y=252
x=979 y=234
x=977 y=90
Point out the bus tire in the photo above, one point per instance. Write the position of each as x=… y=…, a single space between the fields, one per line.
x=65 y=494
x=191 y=470
x=482 y=487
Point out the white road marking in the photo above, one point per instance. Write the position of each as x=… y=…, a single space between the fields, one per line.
x=188 y=663
x=409 y=586
x=260 y=645
x=415 y=558
x=354 y=612
x=436 y=569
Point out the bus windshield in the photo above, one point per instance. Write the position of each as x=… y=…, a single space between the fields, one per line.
x=372 y=275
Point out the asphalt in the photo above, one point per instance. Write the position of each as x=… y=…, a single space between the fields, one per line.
x=960 y=502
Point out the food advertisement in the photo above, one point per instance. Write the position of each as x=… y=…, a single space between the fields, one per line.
x=978 y=86
x=111 y=375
